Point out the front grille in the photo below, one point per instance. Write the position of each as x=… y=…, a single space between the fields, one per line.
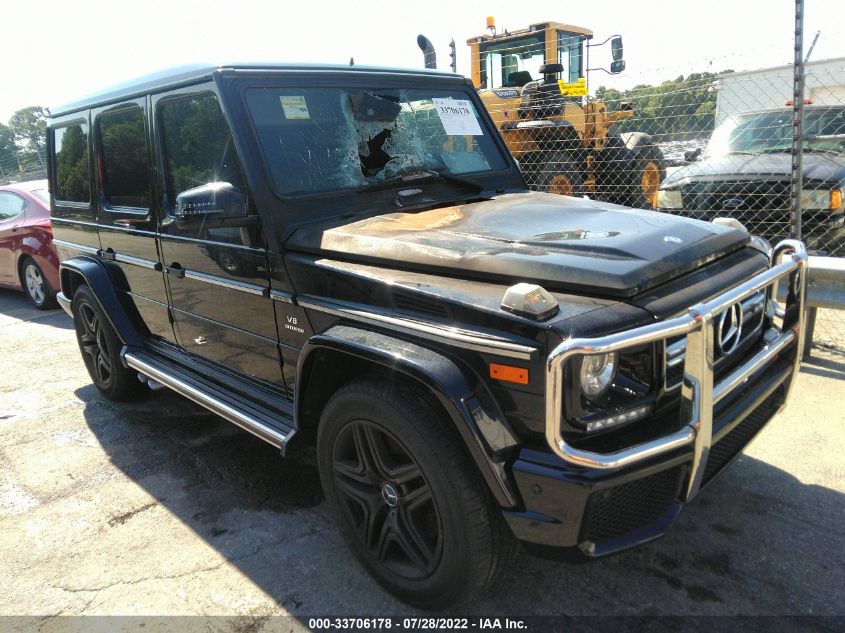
x=753 y=311
x=633 y=505
x=727 y=448
x=762 y=206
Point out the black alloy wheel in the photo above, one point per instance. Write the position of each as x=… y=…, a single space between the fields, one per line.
x=410 y=503
x=100 y=348
x=386 y=497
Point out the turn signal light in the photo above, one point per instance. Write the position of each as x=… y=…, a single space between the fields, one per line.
x=508 y=373
x=835 y=199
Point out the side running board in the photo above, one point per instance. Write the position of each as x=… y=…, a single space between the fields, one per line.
x=262 y=421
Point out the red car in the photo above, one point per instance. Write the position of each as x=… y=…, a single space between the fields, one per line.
x=28 y=260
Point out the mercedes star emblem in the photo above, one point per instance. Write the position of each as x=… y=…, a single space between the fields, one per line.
x=729 y=329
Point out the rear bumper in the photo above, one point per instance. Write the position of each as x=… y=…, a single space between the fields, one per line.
x=602 y=511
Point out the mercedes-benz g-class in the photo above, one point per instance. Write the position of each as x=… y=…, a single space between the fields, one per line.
x=350 y=256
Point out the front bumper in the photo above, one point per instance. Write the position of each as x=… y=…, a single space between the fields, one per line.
x=603 y=502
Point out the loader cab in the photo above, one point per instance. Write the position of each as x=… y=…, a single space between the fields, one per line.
x=510 y=60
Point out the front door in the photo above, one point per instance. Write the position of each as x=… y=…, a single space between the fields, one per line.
x=217 y=272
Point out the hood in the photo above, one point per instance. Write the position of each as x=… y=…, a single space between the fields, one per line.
x=816 y=166
x=564 y=244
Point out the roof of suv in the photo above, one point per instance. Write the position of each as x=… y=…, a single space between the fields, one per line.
x=183 y=75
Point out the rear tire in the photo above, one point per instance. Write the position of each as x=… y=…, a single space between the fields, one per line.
x=100 y=348
x=36 y=286
x=556 y=172
x=409 y=503
x=649 y=171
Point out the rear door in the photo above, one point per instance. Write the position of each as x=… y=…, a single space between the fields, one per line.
x=217 y=272
x=125 y=208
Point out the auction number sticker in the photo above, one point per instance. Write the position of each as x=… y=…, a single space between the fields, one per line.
x=458 y=117
x=294 y=107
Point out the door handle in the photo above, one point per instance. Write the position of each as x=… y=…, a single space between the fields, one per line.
x=175 y=269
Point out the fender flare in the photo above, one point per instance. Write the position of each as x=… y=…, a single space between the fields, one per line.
x=97 y=276
x=464 y=398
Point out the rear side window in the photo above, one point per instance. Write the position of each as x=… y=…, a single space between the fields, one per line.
x=72 y=181
x=125 y=170
x=198 y=147
x=10 y=205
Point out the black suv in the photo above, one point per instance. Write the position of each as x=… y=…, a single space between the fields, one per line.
x=350 y=256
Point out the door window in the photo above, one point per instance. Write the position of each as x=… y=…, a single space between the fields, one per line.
x=71 y=163
x=10 y=205
x=123 y=147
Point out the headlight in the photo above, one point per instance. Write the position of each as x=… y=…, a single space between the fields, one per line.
x=669 y=199
x=597 y=372
x=821 y=199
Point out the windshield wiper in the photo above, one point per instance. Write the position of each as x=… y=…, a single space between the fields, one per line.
x=423 y=175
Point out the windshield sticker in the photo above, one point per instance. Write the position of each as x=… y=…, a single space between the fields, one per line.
x=294 y=107
x=457 y=117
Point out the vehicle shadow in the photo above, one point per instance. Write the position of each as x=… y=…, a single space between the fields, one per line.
x=14 y=306
x=758 y=541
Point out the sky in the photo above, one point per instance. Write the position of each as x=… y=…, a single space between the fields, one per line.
x=59 y=50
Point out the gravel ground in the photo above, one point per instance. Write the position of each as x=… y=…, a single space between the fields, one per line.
x=160 y=508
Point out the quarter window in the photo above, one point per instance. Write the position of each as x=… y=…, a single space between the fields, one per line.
x=123 y=145
x=10 y=205
x=72 y=179
x=198 y=147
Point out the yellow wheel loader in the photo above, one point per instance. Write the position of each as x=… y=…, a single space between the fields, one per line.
x=534 y=84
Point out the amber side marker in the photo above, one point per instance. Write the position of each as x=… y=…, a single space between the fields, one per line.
x=507 y=373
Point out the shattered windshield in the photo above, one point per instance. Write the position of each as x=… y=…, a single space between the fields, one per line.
x=330 y=139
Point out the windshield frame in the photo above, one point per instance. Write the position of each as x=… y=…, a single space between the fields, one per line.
x=369 y=81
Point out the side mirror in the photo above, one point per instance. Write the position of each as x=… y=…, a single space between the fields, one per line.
x=212 y=203
x=692 y=155
x=617 y=67
x=616 y=48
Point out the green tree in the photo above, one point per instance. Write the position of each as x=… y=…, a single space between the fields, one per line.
x=8 y=151
x=29 y=127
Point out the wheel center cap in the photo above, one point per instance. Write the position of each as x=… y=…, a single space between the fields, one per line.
x=390 y=495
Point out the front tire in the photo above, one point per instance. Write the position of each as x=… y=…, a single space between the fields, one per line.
x=409 y=503
x=556 y=172
x=100 y=349
x=36 y=286
x=649 y=172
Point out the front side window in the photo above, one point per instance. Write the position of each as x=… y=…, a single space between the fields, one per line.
x=124 y=165
x=330 y=139
x=513 y=63
x=10 y=205
x=71 y=163
x=198 y=147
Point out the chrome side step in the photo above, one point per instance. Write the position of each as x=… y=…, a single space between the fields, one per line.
x=261 y=421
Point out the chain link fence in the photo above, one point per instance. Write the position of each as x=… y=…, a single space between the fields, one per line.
x=20 y=166
x=704 y=145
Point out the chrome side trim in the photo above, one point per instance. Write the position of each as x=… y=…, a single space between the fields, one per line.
x=224 y=410
x=280 y=295
x=83 y=248
x=442 y=334
x=135 y=261
x=225 y=282
x=699 y=393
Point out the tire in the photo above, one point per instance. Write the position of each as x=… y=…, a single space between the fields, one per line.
x=36 y=286
x=649 y=171
x=557 y=172
x=414 y=511
x=100 y=349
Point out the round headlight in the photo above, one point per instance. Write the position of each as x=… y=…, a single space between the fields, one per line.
x=597 y=372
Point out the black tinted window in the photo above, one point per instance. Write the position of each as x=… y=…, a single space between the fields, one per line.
x=124 y=158
x=71 y=146
x=198 y=146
